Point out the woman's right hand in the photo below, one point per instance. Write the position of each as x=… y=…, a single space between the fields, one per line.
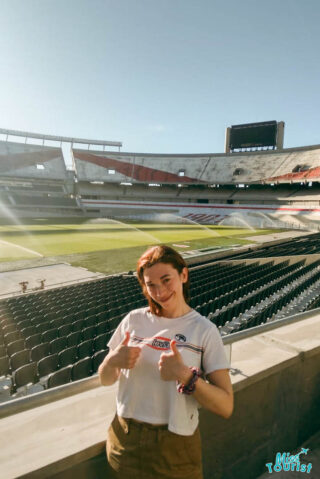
x=124 y=356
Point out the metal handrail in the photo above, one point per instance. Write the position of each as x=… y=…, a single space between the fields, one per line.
x=66 y=390
x=67 y=139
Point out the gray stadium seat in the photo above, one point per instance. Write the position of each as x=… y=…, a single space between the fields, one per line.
x=40 y=351
x=25 y=376
x=48 y=365
x=81 y=369
x=68 y=356
x=63 y=376
x=86 y=348
x=20 y=359
x=97 y=359
x=4 y=366
x=57 y=345
x=15 y=346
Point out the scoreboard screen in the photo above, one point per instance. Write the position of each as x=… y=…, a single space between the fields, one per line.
x=252 y=135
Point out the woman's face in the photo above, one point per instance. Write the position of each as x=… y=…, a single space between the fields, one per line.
x=165 y=285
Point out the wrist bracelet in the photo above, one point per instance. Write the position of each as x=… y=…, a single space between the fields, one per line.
x=191 y=386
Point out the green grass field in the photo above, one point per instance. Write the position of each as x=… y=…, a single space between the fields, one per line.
x=106 y=246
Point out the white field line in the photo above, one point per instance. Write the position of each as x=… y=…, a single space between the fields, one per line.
x=22 y=247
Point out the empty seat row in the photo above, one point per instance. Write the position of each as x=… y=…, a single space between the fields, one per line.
x=63 y=346
x=49 y=373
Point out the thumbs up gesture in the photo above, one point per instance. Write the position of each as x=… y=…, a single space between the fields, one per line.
x=171 y=365
x=124 y=356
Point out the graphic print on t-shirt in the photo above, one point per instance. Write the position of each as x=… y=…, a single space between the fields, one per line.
x=163 y=344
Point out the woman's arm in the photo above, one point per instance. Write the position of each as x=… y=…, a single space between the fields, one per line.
x=108 y=374
x=215 y=395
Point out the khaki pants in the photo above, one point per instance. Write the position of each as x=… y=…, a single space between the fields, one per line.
x=145 y=451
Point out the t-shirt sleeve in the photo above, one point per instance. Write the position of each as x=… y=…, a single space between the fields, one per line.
x=214 y=354
x=119 y=333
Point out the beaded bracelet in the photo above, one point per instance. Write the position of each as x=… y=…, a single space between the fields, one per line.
x=191 y=386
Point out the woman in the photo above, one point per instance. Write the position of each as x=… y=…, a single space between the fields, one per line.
x=169 y=361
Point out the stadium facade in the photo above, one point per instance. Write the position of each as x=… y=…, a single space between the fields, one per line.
x=259 y=188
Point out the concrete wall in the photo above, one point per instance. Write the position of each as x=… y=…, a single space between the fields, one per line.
x=19 y=160
x=207 y=169
x=273 y=414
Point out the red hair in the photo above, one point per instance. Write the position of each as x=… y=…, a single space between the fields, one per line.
x=161 y=254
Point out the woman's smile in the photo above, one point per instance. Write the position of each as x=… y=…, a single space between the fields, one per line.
x=165 y=300
x=165 y=286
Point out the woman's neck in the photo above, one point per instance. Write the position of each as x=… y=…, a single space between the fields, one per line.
x=178 y=311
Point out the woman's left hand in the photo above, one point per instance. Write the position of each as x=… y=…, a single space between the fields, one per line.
x=172 y=367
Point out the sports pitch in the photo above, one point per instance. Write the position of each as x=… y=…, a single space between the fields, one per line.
x=104 y=245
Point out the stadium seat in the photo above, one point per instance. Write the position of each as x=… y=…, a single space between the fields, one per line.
x=57 y=345
x=57 y=323
x=81 y=369
x=40 y=351
x=28 y=331
x=68 y=356
x=64 y=330
x=48 y=365
x=9 y=328
x=86 y=348
x=97 y=359
x=73 y=339
x=102 y=327
x=49 y=316
x=79 y=314
x=88 y=333
x=103 y=316
x=43 y=326
x=58 y=378
x=100 y=342
x=78 y=325
x=25 y=376
x=15 y=346
x=3 y=351
x=90 y=321
x=12 y=336
x=4 y=366
x=33 y=340
x=20 y=359
x=49 y=335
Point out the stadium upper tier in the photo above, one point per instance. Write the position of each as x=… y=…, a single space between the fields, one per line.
x=19 y=160
x=282 y=166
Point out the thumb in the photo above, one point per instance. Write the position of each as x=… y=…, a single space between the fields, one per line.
x=126 y=339
x=173 y=347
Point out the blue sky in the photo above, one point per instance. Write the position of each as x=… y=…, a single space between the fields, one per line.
x=163 y=76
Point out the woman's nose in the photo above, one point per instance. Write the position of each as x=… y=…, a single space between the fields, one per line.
x=159 y=290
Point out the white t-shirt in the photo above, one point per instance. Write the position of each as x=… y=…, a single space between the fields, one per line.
x=142 y=394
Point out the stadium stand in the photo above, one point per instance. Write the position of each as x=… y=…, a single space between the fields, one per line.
x=61 y=328
x=256 y=186
x=250 y=167
x=34 y=181
x=20 y=160
x=55 y=339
